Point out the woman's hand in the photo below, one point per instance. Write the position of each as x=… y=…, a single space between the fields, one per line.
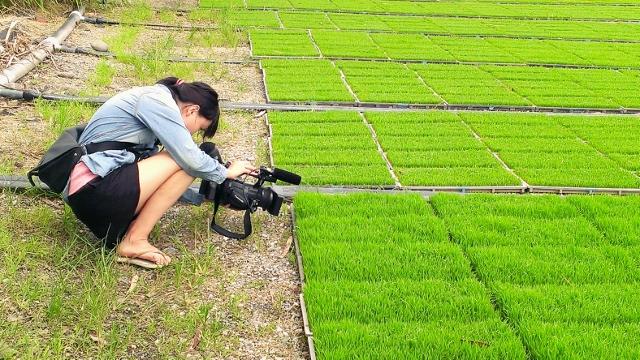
x=240 y=167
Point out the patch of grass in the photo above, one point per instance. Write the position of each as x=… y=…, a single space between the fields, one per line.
x=100 y=79
x=136 y=11
x=62 y=115
x=121 y=42
x=64 y=296
x=7 y=166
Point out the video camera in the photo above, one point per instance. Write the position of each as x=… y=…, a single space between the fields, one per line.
x=239 y=195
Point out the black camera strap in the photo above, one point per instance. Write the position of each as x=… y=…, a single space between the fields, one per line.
x=230 y=234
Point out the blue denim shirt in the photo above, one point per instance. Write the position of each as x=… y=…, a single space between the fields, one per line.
x=141 y=115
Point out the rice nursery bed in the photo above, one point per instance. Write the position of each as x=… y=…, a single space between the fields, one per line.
x=390 y=82
x=473 y=276
x=439 y=148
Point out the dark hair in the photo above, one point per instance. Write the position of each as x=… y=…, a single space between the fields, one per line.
x=197 y=93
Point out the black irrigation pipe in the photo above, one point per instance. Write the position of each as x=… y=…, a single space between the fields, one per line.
x=191 y=196
x=447 y=62
x=401 y=14
x=30 y=95
x=320 y=105
x=103 y=21
x=89 y=51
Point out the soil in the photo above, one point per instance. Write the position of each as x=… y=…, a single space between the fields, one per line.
x=258 y=273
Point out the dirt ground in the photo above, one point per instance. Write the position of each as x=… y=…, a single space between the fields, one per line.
x=258 y=275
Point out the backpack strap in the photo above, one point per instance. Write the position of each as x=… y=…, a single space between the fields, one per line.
x=108 y=145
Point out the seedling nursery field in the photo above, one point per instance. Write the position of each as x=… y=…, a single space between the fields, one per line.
x=483 y=160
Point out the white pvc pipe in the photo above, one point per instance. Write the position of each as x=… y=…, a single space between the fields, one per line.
x=44 y=49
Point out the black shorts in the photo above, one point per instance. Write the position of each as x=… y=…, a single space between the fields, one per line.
x=108 y=205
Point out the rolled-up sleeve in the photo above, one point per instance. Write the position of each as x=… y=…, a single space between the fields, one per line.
x=166 y=123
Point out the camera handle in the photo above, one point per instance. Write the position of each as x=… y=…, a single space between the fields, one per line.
x=230 y=234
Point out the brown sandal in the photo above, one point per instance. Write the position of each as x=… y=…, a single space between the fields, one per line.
x=136 y=260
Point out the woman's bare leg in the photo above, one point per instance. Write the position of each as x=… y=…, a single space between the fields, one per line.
x=161 y=184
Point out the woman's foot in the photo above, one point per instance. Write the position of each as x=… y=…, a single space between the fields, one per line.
x=141 y=253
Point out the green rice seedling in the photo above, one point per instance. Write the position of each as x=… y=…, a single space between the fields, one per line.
x=365 y=204
x=460 y=176
x=376 y=262
x=607 y=205
x=567 y=265
x=402 y=300
x=275 y=4
x=579 y=122
x=386 y=83
x=579 y=101
x=627 y=161
x=344 y=175
x=617 y=218
x=285 y=157
x=459 y=88
x=306 y=143
x=589 y=159
x=346 y=339
x=383 y=232
x=410 y=227
x=412 y=24
x=429 y=143
x=506 y=118
x=313 y=117
x=320 y=129
x=410 y=47
x=606 y=178
x=597 y=304
x=282 y=43
x=312 y=4
x=306 y=20
x=412 y=117
x=421 y=129
x=253 y=18
x=535 y=207
x=347 y=44
x=327 y=87
x=508 y=99
x=528 y=145
x=358 y=22
x=607 y=132
x=474 y=49
x=442 y=159
x=515 y=131
x=581 y=340
x=492 y=230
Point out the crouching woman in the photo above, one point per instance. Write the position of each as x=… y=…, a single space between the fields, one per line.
x=121 y=194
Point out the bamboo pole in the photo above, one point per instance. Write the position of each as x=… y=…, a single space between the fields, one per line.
x=44 y=49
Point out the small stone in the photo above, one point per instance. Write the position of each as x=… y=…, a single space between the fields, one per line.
x=99 y=45
x=67 y=75
x=171 y=251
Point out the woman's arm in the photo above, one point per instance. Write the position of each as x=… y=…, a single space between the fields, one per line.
x=164 y=120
